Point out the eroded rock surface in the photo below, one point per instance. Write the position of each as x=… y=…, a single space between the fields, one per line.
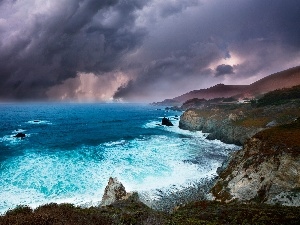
x=220 y=126
x=114 y=191
x=266 y=169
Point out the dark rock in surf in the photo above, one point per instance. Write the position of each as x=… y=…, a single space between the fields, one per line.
x=20 y=135
x=36 y=121
x=165 y=121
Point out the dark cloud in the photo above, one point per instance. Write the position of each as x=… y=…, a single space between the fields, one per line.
x=223 y=70
x=169 y=8
x=164 y=77
x=150 y=49
x=251 y=38
x=51 y=45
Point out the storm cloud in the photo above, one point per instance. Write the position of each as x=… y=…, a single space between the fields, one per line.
x=44 y=43
x=223 y=70
x=139 y=50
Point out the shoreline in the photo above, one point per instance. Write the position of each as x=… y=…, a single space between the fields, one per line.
x=171 y=199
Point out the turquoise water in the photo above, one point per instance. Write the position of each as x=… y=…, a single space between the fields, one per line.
x=70 y=151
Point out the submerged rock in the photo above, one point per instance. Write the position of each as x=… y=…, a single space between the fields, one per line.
x=114 y=191
x=20 y=135
x=165 y=121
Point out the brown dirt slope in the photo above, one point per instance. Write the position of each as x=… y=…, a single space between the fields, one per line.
x=283 y=79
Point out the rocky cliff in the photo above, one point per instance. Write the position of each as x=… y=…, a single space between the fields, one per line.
x=266 y=169
x=113 y=192
x=235 y=123
x=219 y=125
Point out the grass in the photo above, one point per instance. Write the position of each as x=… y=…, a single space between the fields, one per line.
x=253 y=122
x=124 y=212
x=285 y=137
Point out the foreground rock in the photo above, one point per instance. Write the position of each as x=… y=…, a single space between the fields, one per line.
x=113 y=192
x=20 y=135
x=165 y=121
x=266 y=170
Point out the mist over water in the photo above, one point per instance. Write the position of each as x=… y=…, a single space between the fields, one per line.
x=70 y=151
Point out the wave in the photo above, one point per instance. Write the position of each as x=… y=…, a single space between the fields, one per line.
x=79 y=176
x=10 y=139
x=39 y=122
x=175 y=129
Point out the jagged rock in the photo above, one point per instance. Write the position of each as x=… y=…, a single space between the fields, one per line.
x=20 y=135
x=166 y=121
x=114 y=191
x=222 y=129
x=272 y=124
x=265 y=170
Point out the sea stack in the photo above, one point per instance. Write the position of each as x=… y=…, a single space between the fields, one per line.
x=166 y=121
x=114 y=191
x=20 y=135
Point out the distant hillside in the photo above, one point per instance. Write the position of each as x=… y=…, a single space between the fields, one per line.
x=283 y=79
x=217 y=91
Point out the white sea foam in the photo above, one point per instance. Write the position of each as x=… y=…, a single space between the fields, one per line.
x=12 y=140
x=39 y=122
x=157 y=124
x=18 y=131
x=80 y=176
x=113 y=143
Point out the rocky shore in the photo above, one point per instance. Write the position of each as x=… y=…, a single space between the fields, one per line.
x=259 y=184
x=130 y=210
x=236 y=123
x=221 y=127
x=266 y=170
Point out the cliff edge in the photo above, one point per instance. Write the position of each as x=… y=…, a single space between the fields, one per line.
x=266 y=170
x=235 y=123
x=219 y=124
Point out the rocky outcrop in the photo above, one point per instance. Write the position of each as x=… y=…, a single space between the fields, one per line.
x=114 y=191
x=20 y=135
x=266 y=169
x=165 y=121
x=221 y=127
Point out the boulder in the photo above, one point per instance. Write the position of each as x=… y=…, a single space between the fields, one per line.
x=166 y=121
x=20 y=135
x=113 y=192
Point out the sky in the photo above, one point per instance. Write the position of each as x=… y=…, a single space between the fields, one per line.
x=141 y=50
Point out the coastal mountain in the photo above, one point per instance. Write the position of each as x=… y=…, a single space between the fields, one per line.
x=266 y=169
x=283 y=79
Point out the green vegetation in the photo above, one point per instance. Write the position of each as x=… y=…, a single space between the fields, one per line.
x=279 y=97
x=285 y=137
x=122 y=212
x=207 y=212
x=199 y=212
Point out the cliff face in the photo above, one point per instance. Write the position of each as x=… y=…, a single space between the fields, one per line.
x=266 y=169
x=235 y=123
x=220 y=126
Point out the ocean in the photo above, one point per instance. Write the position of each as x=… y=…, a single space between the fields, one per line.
x=71 y=149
